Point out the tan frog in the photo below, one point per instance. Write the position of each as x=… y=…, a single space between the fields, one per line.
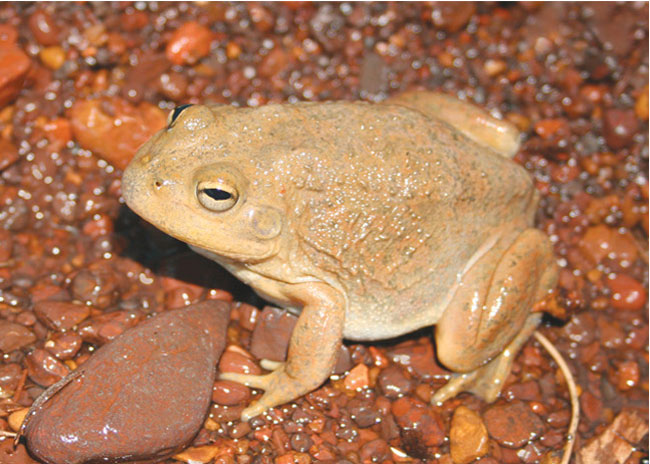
x=368 y=220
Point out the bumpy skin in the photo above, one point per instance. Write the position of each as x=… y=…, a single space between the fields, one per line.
x=370 y=220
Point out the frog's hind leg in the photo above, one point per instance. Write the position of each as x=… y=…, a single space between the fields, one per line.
x=474 y=122
x=490 y=317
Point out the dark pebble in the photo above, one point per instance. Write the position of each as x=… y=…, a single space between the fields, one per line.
x=394 y=383
x=513 y=425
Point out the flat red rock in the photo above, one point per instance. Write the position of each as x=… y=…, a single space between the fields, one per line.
x=144 y=396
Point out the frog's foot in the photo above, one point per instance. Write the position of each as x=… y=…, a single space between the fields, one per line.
x=278 y=386
x=485 y=382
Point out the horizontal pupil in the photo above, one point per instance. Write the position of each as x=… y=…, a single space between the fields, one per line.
x=217 y=194
x=178 y=110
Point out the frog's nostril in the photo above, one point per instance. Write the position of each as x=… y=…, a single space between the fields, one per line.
x=157 y=184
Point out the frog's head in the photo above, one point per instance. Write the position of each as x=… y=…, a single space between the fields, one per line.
x=186 y=182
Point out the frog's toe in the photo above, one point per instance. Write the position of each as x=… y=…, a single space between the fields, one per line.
x=253 y=410
x=256 y=381
x=271 y=365
x=485 y=382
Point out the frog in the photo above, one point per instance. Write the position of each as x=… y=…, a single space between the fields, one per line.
x=366 y=220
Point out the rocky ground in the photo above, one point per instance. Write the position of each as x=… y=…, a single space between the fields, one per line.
x=82 y=85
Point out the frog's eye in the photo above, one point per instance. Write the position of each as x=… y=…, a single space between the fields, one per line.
x=175 y=113
x=216 y=196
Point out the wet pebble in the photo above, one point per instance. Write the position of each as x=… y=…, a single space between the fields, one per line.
x=189 y=43
x=270 y=338
x=452 y=16
x=619 y=126
x=301 y=442
x=114 y=129
x=10 y=454
x=105 y=327
x=43 y=27
x=358 y=378
x=468 y=437
x=8 y=153
x=64 y=345
x=513 y=424
x=419 y=420
x=394 y=383
x=14 y=336
x=43 y=368
x=363 y=412
x=9 y=377
x=60 y=315
x=15 y=65
x=375 y=451
x=238 y=361
x=627 y=293
x=228 y=393
x=418 y=358
x=52 y=57
x=98 y=287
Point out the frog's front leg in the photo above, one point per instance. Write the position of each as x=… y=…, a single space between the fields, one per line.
x=313 y=349
x=490 y=316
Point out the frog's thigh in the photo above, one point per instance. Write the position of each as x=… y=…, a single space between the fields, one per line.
x=491 y=306
x=474 y=122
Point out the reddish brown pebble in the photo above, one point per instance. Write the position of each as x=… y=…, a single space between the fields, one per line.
x=394 y=383
x=235 y=361
x=44 y=369
x=45 y=30
x=15 y=65
x=619 y=126
x=89 y=416
x=9 y=378
x=229 y=393
x=10 y=454
x=526 y=391
x=627 y=293
x=601 y=241
x=418 y=358
x=513 y=424
x=628 y=375
x=272 y=333
x=8 y=154
x=59 y=315
x=363 y=412
x=105 y=327
x=117 y=135
x=249 y=315
x=419 y=420
x=190 y=43
x=468 y=437
x=591 y=406
x=14 y=336
x=452 y=16
x=301 y=442
x=358 y=378
x=375 y=451
x=64 y=345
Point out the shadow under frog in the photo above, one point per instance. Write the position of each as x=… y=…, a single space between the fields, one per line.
x=368 y=221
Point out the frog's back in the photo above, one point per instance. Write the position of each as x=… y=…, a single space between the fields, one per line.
x=390 y=205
